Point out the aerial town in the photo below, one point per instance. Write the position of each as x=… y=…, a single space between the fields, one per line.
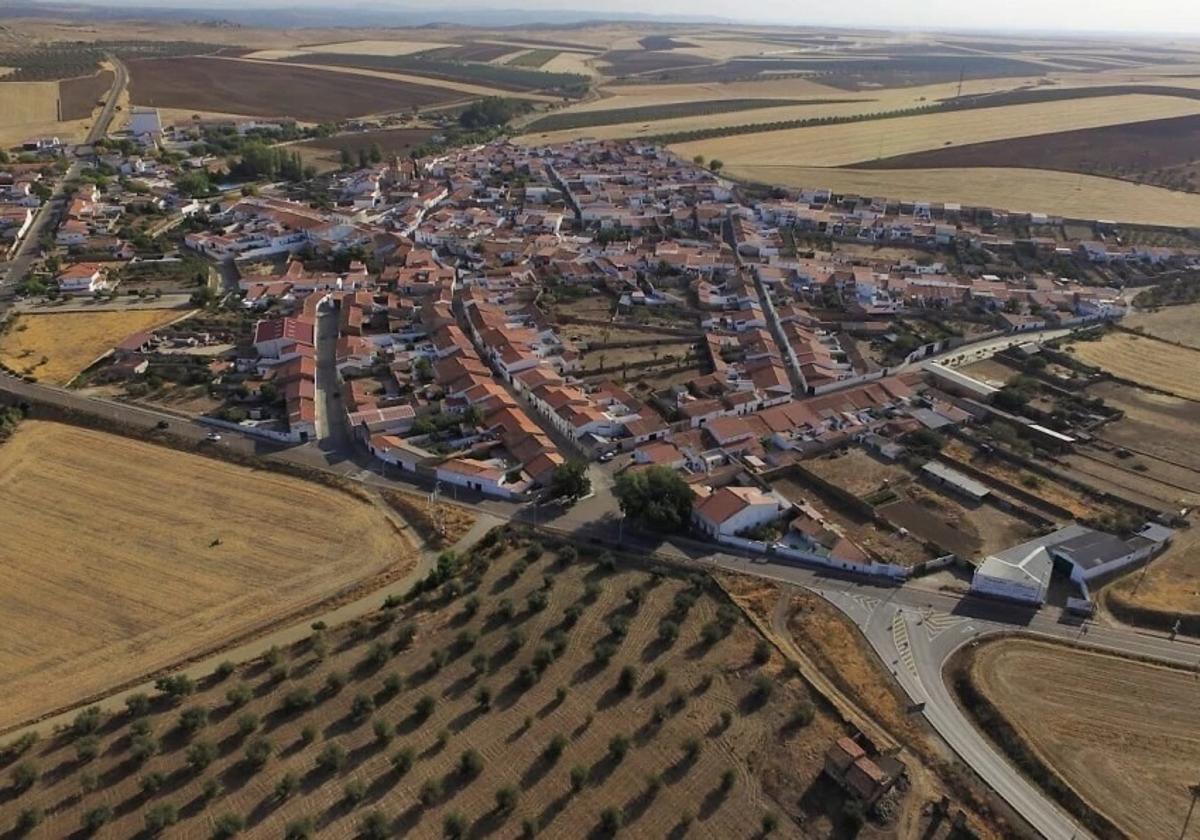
x=903 y=463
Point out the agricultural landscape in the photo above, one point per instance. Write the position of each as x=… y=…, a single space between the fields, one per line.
x=611 y=428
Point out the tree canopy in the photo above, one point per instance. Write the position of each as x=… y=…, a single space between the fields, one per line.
x=658 y=498
x=570 y=481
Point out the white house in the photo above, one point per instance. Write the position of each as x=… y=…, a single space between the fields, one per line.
x=732 y=510
x=81 y=277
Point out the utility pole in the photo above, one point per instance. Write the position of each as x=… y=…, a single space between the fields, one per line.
x=961 y=72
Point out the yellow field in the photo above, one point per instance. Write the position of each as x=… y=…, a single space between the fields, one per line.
x=839 y=145
x=30 y=109
x=1145 y=360
x=369 y=47
x=274 y=55
x=1015 y=190
x=71 y=341
x=1085 y=714
x=120 y=558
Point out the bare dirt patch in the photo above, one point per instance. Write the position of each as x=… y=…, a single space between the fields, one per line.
x=121 y=558
x=1084 y=713
x=79 y=97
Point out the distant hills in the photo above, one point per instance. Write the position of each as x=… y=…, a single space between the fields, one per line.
x=295 y=15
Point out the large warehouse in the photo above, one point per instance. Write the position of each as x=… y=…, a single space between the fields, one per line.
x=1023 y=572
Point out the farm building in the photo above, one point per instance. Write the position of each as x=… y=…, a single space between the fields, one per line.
x=1021 y=573
x=956 y=382
x=962 y=484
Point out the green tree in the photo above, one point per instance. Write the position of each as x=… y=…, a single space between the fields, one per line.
x=570 y=481
x=657 y=497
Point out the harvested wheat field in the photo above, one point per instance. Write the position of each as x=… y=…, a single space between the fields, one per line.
x=1145 y=361
x=120 y=558
x=841 y=145
x=69 y=342
x=1016 y=190
x=1085 y=714
x=522 y=689
x=1180 y=324
x=371 y=47
x=1169 y=589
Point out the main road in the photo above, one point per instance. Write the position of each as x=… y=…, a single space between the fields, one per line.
x=49 y=212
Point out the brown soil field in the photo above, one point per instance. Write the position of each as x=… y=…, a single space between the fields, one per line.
x=1161 y=152
x=858 y=472
x=71 y=341
x=1146 y=361
x=272 y=89
x=383 y=720
x=1171 y=323
x=874 y=538
x=1085 y=714
x=1016 y=190
x=121 y=558
x=79 y=96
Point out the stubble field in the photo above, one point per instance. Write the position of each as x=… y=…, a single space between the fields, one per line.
x=121 y=558
x=1017 y=190
x=841 y=145
x=71 y=341
x=1171 y=323
x=1145 y=361
x=469 y=711
x=1085 y=714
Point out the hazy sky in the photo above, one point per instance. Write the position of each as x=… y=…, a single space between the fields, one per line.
x=1172 y=19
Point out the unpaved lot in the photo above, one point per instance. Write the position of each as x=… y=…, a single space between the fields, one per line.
x=121 y=557
x=1085 y=714
x=368 y=715
x=71 y=341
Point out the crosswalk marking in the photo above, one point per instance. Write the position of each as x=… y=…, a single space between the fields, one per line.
x=903 y=645
x=867 y=602
x=937 y=623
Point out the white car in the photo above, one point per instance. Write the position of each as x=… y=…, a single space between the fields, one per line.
x=607 y=456
x=213 y=436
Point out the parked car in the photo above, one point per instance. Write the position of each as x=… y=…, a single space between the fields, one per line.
x=213 y=436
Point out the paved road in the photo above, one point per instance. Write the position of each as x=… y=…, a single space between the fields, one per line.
x=50 y=210
x=913 y=628
x=120 y=79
